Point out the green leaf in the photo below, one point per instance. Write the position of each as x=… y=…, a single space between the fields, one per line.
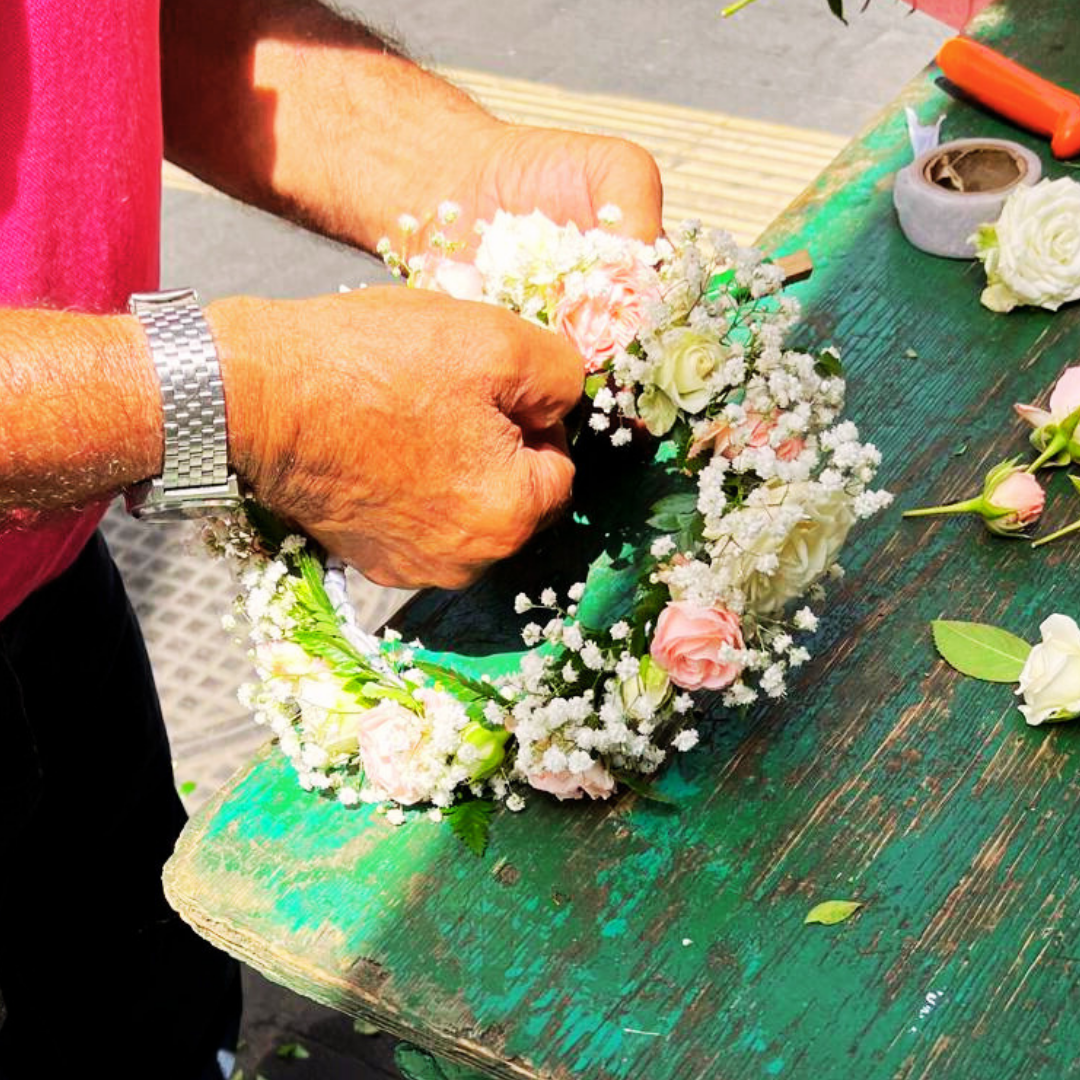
x=471 y=822
x=837 y=8
x=187 y=787
x=828 y=364
x=455 y=681
x=642 y=788
x=668 y=513
x=335 y=650
x=292 y=1052
x=981 y=651
x=832 y=911
x=376 y=692
x=594 y=384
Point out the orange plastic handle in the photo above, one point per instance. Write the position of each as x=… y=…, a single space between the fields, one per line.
x=1015 y=92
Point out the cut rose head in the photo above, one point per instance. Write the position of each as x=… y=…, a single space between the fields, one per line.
x=1050 y=679
x=690 y=642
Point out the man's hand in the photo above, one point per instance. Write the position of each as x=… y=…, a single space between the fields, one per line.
x=414 y=435
x=567 y=175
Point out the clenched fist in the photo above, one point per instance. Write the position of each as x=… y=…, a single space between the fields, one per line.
x=416 y=436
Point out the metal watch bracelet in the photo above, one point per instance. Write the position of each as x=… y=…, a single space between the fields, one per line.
x=195 y=478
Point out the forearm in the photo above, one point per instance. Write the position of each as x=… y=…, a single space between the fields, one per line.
x=290 y=107
x=80 y=410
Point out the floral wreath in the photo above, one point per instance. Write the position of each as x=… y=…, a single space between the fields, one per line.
x=682 y=338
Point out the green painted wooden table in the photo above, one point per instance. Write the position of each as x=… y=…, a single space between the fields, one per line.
x=629 y=940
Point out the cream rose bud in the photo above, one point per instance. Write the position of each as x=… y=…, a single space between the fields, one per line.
x=644 y=693
x=1032 y=254
x=1050 y=681
x=687 y=359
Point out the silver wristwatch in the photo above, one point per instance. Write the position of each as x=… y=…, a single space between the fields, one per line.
x=195 y=478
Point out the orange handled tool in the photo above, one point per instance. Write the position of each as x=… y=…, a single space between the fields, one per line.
x=1015 y=92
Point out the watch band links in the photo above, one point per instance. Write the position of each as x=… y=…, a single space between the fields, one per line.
x=195 y=474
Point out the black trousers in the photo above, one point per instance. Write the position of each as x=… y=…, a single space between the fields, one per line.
x=95 y=968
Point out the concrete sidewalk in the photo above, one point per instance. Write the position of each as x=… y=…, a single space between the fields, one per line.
x=742 y=113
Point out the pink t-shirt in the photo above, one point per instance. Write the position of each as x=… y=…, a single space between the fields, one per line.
x=80 y=193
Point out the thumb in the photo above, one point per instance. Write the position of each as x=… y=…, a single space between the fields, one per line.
x=626 y=175
x=546 y=477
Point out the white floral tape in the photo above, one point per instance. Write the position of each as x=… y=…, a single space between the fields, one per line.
x=942 y=220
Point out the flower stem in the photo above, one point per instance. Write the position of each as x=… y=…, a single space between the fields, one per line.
x=1074 y=527
x=968 y=506
x=1053 y=448
x=731 y=9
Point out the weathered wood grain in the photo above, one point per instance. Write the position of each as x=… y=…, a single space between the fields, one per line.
x=629 y=941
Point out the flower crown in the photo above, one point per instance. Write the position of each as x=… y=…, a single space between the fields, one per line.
x=682 y=340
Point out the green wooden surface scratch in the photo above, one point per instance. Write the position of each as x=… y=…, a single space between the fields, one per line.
x=623 y=941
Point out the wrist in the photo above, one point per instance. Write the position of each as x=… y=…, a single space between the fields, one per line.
x=236 y=324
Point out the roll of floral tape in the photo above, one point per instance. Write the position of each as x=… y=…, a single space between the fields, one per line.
x=947 y=192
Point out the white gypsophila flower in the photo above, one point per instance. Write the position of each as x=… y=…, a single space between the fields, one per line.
x=530 y=634
x=1032 y=254
x=662 y=546
x=592 y=657
x=569 y=673
x=572 y=637
x=599 y=421
x=521 y=603
x=621 y=436
x=1050 y=679
x=548 y=598
x=515 y=803
x=576 y=591
x=805 y=619
x=685 y=740
x=620 y=631
x=395 y=816
x=797 y=657
x=682 y=704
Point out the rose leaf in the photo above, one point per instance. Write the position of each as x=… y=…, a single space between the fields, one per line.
x=832 y=911
x=979 y=650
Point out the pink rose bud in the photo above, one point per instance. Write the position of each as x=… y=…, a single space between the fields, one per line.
x=595 y=781
x=688 y=641
x=1011 y=500
x=1019 y=493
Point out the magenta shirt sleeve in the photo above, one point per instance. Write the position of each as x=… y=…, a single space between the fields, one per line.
x=80 y=194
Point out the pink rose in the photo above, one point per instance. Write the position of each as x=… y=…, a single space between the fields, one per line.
x=687 y=644
x=1064 y=400
x=1019 y=492
x=389 y=736
x=461 y=280
x=595 y=781
x=754 y=432
x=606 y=313
x=790 y=449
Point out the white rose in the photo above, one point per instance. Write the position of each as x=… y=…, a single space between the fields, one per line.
x=331 y=717
x=1050 y=681
x=1032 y=254
x=687 y=359
x=820 y=525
